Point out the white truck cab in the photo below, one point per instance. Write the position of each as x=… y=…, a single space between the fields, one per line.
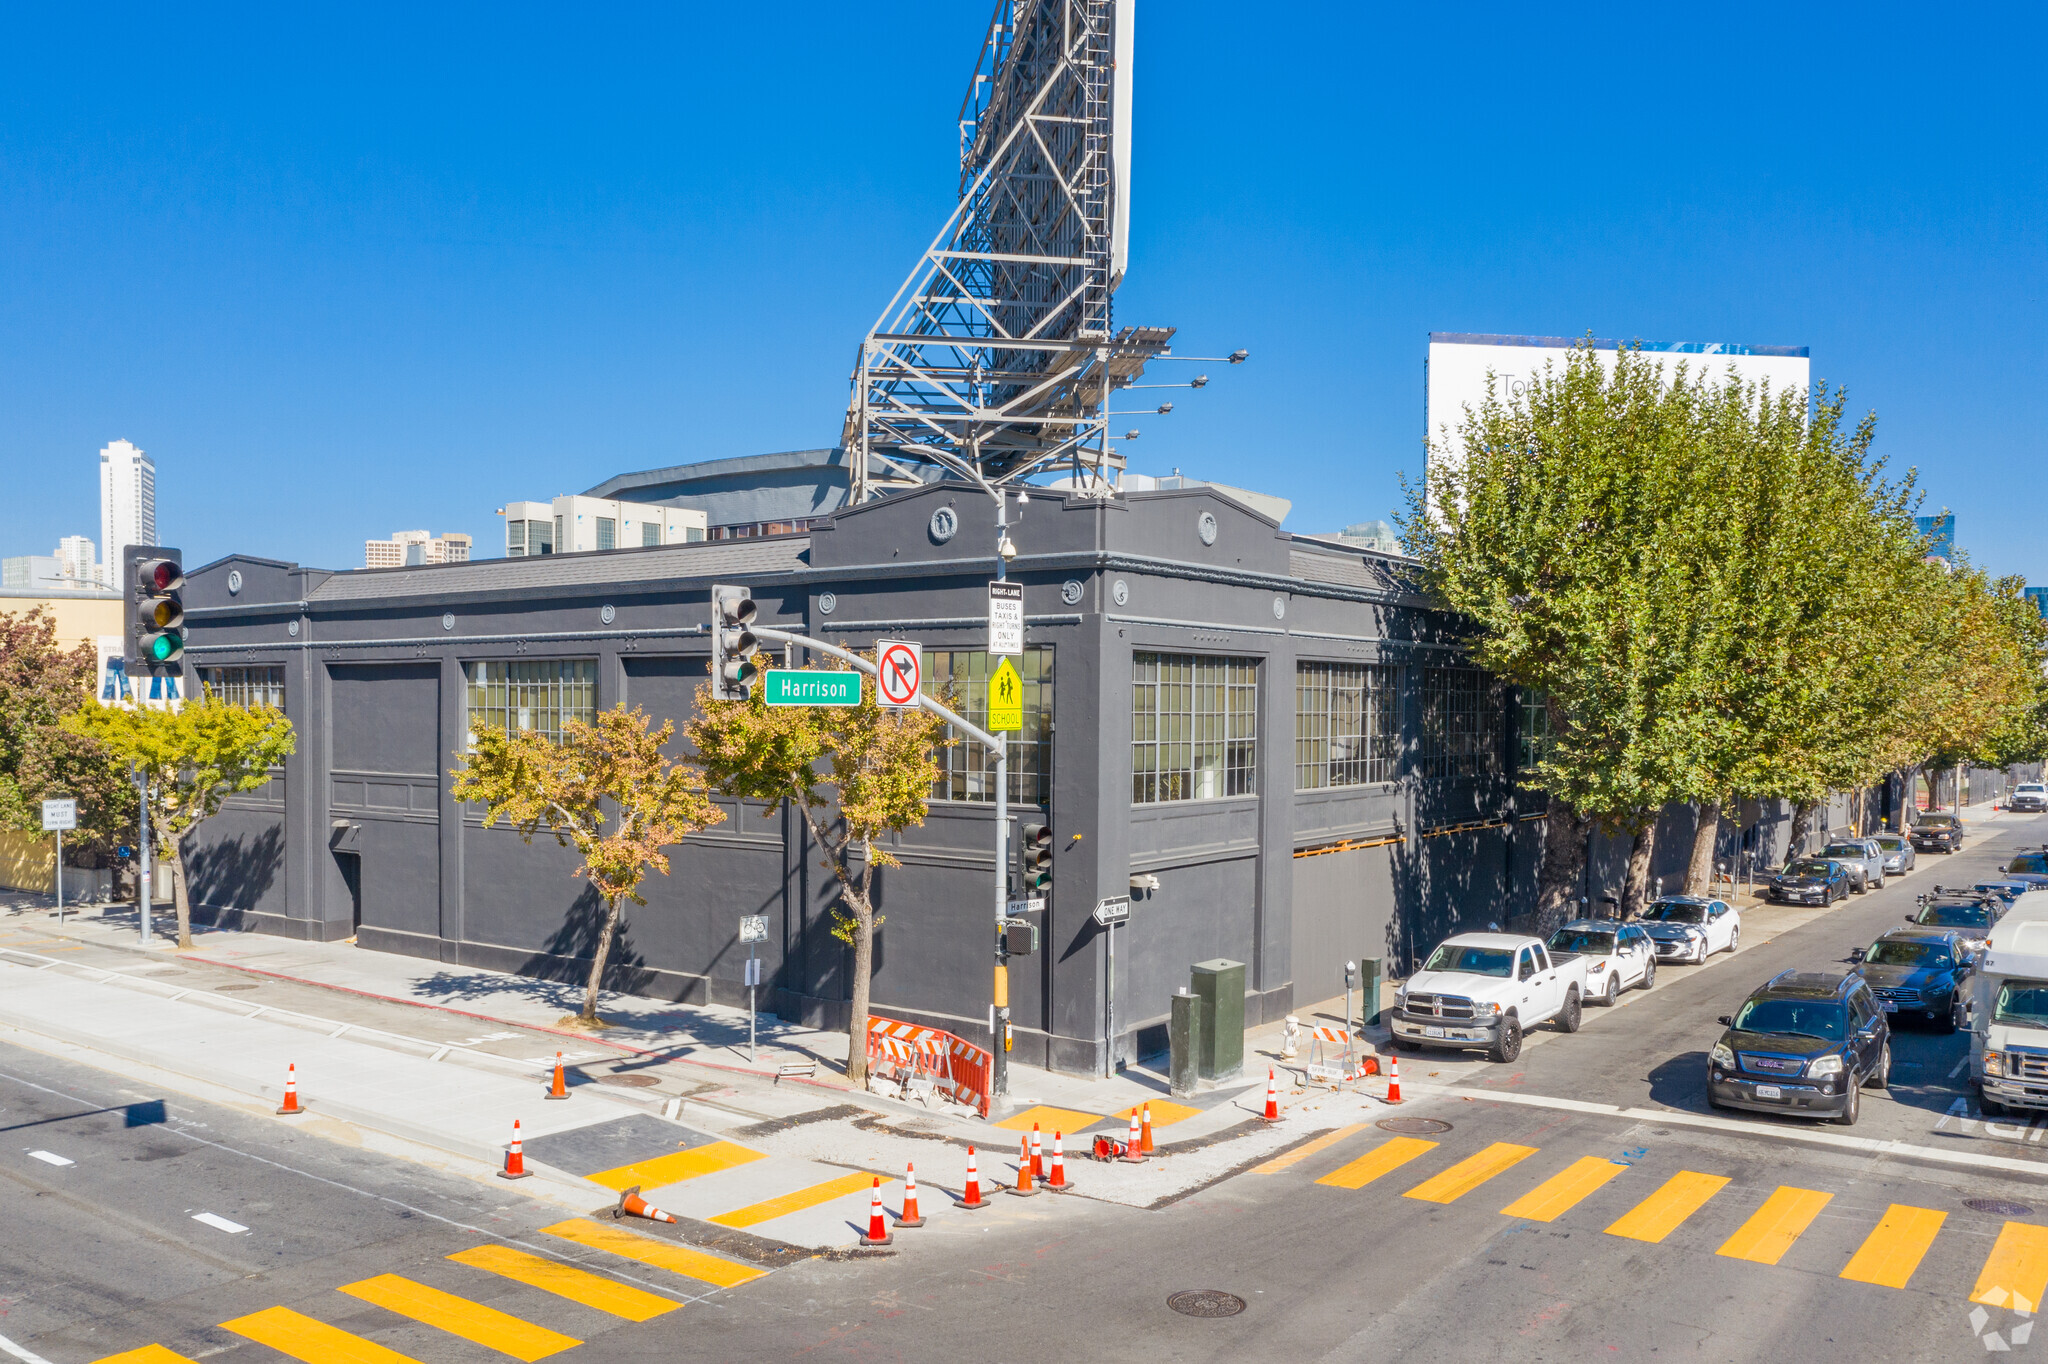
x=1486 y=990
x=2008 y=996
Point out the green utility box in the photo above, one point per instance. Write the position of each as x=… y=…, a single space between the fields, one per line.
x=1219 y=1053
x=1183 y=1035
x=1371 y=971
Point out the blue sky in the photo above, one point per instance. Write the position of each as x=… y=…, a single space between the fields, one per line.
x=343 y=273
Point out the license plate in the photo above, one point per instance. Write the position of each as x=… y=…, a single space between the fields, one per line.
x=1432 y=1032
x=1769 y=1092
x=1891 y=1006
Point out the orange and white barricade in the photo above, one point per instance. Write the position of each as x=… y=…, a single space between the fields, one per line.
x=931 y=1057
x=1332 y=1058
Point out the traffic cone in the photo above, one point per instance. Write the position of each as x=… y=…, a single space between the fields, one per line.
x=631 y=1204
x=970 y=1197
x=878 y=1229
x=1146 y=1129
x=911 y=1216
x=1058 y=1182
x=1272 y=1113
x=290 y=1108
x=1037 y=1153
x=1134 y=1150
x=1025 y=1188
x=560 y=1088
x=1393 y=1079
x=515 y=1158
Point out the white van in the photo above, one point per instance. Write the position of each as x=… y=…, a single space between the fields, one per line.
x=2009 y=1009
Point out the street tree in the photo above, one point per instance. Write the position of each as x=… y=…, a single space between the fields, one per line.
x=854 y=773
x=605 y=789
x=41 y=683
x=193 y=757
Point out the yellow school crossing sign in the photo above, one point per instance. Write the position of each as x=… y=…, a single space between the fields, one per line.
x=1006 y=700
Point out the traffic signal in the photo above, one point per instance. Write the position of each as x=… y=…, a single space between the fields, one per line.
x=155 y=641
x=1034 y=858
x=732 y=643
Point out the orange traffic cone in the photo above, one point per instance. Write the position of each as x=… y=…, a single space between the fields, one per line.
x=970 y=1197
x=1037 y=1153
x=1134 y=1144
x=1393 y=1079
x=515 y=1157
x=1058 y=1182
x=878 y=1229
x=1146 y=1129
x=1272 y=1098
x=290 y=1107
x=560 y=1088
x=1025 y=1188
x=631 y=1204
x=911 y=1216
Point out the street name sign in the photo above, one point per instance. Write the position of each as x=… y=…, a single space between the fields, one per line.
x=1034 y=905
x=1114 y=910
x=1005 y=700
x=1005 y=618
x=899 y=666
x=809 y=687
x=59 y=814
x=753 y=928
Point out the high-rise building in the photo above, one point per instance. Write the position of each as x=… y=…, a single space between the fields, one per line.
x=80 y=562
x=416 y=547
x=2039 y=597
x=1940 y=532
x=127 y=502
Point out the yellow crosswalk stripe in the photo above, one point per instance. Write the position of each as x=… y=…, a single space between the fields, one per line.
x=1890 y=1254
x=315 y=1342
x=148 y=1354
x=1309 y=1148
x=1657 y=1216
x=1390 y=1154
x=1469 y=1173
x=473 y=1321
x=1772 y=1229
x=677 y=1166
x=2016 y=1272
x=1562 y=1192
x=661 y=1254
x=562 y=1280
x=788 y=1203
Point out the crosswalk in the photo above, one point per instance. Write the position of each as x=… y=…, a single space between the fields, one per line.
x=2014 y=1274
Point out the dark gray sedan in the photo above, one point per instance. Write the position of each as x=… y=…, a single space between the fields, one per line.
x=1918 y=972
x=1809 y=881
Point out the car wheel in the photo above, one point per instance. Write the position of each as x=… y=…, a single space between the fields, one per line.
x=1569 y=1017
x=1735 y=938
x=1649 y=975
x=1853 y=1108
x=1881 y=1078
x=1879 y=885
x=1945 y=1021
x=1613 y=995
x=1508 y=1046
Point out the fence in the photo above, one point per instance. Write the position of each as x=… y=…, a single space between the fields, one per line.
x=907 y=1051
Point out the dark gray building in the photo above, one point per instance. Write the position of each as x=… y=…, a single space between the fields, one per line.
x=1272 y=727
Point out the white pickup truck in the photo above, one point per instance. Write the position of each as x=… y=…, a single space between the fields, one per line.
x=1486 y=990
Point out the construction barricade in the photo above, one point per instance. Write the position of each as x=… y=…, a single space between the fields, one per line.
x=1333 y=1058
x=930 y=1057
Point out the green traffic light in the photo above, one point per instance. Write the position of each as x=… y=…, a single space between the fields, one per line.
x=164 y=647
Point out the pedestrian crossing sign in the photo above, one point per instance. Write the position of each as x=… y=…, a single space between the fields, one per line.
x=1006 y=700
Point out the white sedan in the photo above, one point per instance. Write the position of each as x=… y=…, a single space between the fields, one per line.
x=1692 y=927
x=1618 y=956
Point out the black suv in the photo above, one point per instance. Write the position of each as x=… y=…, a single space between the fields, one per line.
x=1937 y=832
x=1805 y=1043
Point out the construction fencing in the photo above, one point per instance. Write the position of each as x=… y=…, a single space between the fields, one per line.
x=906 y=1052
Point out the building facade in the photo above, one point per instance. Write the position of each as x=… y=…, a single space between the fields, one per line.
x=581 y=524
x=414 y=547
x=127 y=503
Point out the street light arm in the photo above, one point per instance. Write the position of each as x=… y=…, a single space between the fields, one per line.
x=985 y=739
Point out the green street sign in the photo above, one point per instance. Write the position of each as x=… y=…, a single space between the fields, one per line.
x=794 y=687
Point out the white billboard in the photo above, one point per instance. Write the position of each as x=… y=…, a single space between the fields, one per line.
x=1459 y=363
x=1124 y=44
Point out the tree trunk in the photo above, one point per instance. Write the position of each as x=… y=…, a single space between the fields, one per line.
x=1909 y=783
x=1802 y=829
x=176 y=857
x=1564 y=863
x=1706 y=836
x=1635 y=892
x=863 y=967
x=598 y=959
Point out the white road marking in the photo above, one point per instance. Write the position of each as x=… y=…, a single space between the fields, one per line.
x=1959 y=1068
x=25 y=1356
x=52 y=1158
x=219 y=1223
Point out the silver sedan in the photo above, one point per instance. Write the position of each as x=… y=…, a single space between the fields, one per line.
x=1899 y=857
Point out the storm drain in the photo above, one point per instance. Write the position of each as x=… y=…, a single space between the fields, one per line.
x=1998 y=1207
x=1413 y=1127
x=248 y=986
x=1206 y=1302
x=633 y=1081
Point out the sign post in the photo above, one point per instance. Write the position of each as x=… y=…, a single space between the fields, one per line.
x=59 y=815
x=1110 y=912
x=753 y=929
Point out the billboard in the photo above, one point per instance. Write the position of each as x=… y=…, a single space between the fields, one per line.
x=1459 y=362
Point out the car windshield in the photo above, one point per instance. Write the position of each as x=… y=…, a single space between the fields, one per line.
x=1842 y=850
x=1894 y=952
x=2033 y=862
x=1476 y=961
x=2023 y=1001
x=1673 y=912
x=1827 y=1021
x=1938 y=821
x=1592 y=942
x=1807 y=869
x=1956 y=916
x=1892 y=843
x=2030 y=788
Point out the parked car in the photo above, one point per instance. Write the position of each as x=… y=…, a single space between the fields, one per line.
x=1972 y=916
x=1618 y=956
x=1805 y=1042
x=1863 y=859
x=2030 y=866
x=1899 y=857
x=1809 y=881
x=1937 y=832
x=1919 y=971
x=1486 y=990
x=1691 y=927
x=2008 y=891
x=2030 y=797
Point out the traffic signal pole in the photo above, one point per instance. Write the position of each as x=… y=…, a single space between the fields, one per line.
x=999 y=1043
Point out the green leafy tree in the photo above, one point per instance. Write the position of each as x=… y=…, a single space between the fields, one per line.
x=194 y=757
x=854 y=773
x=41 y=683
x=607 y=790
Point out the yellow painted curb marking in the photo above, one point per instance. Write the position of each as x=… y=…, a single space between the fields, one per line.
x=1562 y=1192
x=562 y=1280
x=1772 y=1229
x=1657 y=1216
x=486 y=1326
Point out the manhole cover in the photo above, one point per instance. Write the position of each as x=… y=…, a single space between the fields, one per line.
x=1998 y=1207
x=1413 y=1127
x=248 y=986
x=1206 y=1302
x=631 y=1081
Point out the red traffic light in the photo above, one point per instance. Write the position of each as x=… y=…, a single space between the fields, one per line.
x=159 y=575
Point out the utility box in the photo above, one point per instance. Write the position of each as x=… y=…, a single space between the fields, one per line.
x=1183 y=1037
x=1219 y=984
x=1371 y=971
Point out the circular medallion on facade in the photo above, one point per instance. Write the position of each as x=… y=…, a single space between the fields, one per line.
x=1279 y=608
x=828 y=602
x=1070 y=591
x=234 y=581
x=292 y=628
x=448 y=619
x=945 y=524
x=606 y=613
x=1120 y=592
x=1205 y=526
